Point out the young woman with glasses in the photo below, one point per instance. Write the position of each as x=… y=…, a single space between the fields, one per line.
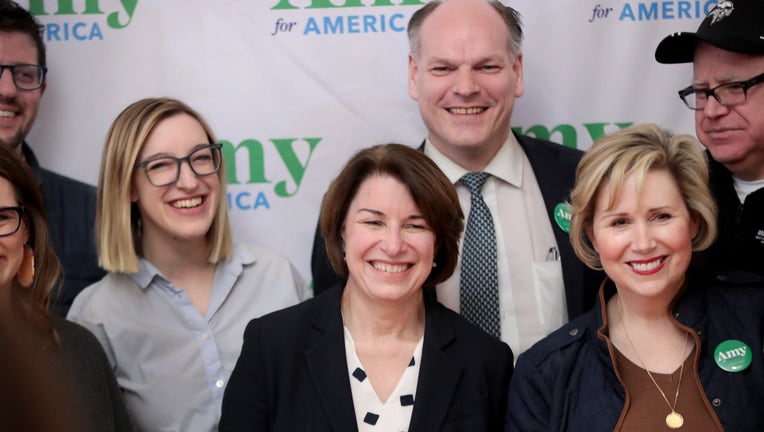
x=172 y=311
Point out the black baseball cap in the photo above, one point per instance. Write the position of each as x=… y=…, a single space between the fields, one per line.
x=736 y=26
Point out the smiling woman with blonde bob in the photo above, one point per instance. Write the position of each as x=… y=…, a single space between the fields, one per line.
x=171 y=313
x=647 y=356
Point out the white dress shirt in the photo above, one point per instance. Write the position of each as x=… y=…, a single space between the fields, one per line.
x=531 y=289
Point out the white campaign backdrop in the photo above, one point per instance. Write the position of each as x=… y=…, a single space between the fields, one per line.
x=297 y=102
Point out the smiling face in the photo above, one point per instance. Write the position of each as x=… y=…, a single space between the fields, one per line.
x=389 y=247
x=12 y=246
x=465 y=81
x=645 y=239
x=18 y=108
x=734 y=135
x=183 y=210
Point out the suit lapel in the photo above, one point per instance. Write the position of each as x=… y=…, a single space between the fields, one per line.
x=327 y=363
x=438 y=374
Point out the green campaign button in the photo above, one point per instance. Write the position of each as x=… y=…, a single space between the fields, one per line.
x=562 y=216
x=733 y=355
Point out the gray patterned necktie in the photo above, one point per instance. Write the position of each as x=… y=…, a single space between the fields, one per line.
x=479 y=288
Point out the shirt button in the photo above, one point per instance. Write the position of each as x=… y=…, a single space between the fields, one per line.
x=219 y=383
x=206 y=336
x=716 y=402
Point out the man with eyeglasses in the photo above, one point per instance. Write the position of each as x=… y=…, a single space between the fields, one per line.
x=727 y=53
x=69 y=204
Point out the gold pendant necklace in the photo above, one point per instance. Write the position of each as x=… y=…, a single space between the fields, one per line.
x=674 y=420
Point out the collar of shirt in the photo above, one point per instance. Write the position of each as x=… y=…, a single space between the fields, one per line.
x=231 y=267
x=506 y=165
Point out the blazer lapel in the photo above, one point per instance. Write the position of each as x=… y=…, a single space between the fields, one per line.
x=327 y=363
x=438 y=374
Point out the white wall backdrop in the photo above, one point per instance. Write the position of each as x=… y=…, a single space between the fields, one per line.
x=294 y=87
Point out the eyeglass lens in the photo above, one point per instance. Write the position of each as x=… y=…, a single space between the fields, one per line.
x=731 y=94
x=25 y=77
x=166 y=170
x=10 y=220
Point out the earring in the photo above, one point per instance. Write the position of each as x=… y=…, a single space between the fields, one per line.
x=434 y=264
x=25 y=275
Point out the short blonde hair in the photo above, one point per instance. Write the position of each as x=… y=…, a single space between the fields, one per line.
x=636 y=151
x=118 y=234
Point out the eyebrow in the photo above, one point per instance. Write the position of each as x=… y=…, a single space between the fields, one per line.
x=381 y=213
x=165 y=154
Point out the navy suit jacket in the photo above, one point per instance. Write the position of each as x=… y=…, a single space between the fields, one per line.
x=292 y=374
x=554 y=166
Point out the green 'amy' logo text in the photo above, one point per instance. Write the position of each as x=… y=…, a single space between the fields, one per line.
x=115 y=19
x=328 y=4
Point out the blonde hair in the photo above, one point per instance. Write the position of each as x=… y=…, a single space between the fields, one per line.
x=636 y=151
x=118 y=233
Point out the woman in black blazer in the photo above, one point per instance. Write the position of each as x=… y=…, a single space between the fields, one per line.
x=379 y=353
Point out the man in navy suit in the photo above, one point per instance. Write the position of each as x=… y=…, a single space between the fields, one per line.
x=465 y=72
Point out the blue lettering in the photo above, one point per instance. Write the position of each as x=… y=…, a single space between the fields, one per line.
x=95 y=32
x=244 y=201
x=75 y=31
x=667 y=10
x=80 y=31
x=329 y=28
x=645 y=13
x=683 y=9
x=355 y=24
x=311 y=27
x=261 y=201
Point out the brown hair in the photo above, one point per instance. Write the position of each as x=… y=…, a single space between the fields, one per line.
x=430 y=189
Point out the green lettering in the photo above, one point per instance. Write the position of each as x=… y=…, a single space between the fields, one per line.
x=113 y=19
x=328 y=4
x=255 y=156
x=91 y=8
x=284 y=4
x=292 y=163
x=37 y=7
x=65 y=8
x=568 y=133
x=597 y=130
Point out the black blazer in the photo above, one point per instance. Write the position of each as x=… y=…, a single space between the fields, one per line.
x=292 y=374
x=555 y=168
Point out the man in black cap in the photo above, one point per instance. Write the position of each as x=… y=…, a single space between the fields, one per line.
x=727 y=53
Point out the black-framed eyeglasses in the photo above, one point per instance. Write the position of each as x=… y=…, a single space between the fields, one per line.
x=728 y=94
x=165 y=170
x=10 y=220
x=26 y=76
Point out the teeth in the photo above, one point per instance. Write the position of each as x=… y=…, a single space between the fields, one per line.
x=643 y=267
x=387 y=268
x=188 y=203
x=7 y=114
x=467 y=111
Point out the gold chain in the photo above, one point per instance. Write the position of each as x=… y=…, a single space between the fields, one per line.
x=674 y=420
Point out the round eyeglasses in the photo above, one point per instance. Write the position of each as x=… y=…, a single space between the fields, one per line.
x=165 y=170
x=10 y=220
x=26 y=76
x=727 y=94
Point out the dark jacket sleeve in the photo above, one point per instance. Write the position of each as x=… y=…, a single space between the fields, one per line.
x=528 y=406
x=245 y=399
